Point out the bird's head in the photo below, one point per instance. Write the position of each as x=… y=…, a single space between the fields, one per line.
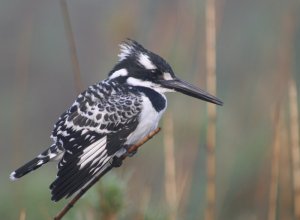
x=138 y=66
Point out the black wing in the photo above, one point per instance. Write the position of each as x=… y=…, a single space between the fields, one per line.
x=92 y=132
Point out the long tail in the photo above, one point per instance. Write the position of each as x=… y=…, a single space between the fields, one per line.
x=52 y=153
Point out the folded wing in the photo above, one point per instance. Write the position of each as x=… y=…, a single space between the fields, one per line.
x=91 y=141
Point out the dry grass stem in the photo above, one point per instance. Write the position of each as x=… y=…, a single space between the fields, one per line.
x=22 y=215
x=21 y=82
x=211 y=109
x=170 y=170
x=184 y=185
x=285 y=180
x=72 y=45
x=273 y=191
x=294 y=144
x=20 y=91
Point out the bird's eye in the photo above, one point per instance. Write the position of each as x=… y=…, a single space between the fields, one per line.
x=160 y=75
x=156 y=73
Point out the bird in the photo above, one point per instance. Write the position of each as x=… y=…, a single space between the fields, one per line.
x=109 y=117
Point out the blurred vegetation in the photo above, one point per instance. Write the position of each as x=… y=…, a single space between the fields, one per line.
x=258 y=53
x=111 y=193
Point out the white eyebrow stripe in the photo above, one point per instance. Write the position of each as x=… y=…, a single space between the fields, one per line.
x=120 y=72
x=146 y=62
x=137 y=82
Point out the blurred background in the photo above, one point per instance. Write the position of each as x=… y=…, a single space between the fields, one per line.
x=249 y=173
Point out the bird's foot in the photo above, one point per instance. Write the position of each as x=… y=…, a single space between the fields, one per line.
x=131 y=153
x=116 y=161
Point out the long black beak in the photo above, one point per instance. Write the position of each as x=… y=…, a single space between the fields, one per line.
x=190 y=90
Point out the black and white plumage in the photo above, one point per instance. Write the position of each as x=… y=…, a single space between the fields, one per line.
x=109 y=117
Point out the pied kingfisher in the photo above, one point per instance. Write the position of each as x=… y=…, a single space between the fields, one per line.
x=109 y=117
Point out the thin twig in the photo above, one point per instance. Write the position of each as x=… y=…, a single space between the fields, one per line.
x=131 y=149
x=73 y=51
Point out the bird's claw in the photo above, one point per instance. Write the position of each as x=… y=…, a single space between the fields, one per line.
x=132 y=153
x=116 y=161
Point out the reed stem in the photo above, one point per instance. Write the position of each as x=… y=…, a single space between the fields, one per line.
x=211 y=110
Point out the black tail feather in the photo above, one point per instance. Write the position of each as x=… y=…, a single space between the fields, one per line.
x=28 y=167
